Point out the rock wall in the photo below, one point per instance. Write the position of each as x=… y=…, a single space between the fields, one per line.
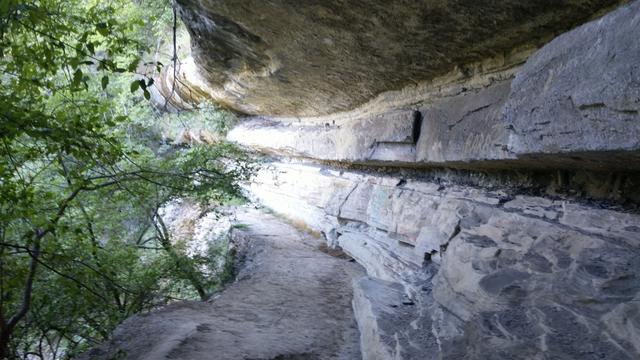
x=574 y=103
x=459 y=272
x=494 y=206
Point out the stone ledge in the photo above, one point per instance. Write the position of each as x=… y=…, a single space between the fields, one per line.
x=558 y=111
x=496 y=275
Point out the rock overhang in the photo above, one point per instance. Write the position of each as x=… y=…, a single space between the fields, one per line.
x=574 y=103
x=296 y=58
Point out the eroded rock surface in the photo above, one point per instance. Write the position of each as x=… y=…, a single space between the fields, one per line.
x=290 y=301
x=483 y=274
x=574 y=103
x=290 y=57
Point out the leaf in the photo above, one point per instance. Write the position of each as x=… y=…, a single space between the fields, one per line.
x=84 y=36
x=150 y=82
x=147 y=95
x=74 y=62
x=105 y=82
x=135 y=86
x=133 y=66
x=77 y=77
x=91 y=48
x=102 y=29
x=143 y=84
x=4 y=6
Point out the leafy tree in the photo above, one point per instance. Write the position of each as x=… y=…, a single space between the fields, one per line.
x=83 y=173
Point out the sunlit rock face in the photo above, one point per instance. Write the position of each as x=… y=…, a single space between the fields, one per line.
x=203 y=233
x=290 y=57
x=462 y=272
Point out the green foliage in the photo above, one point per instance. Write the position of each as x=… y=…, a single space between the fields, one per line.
x=84 y=168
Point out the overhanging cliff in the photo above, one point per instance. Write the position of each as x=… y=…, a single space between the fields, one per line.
x=304 y=58
x=481 y=161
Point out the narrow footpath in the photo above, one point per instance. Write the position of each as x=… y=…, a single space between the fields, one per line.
x=290 y=300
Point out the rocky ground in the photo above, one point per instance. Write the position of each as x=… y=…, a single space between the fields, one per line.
x=290 y=301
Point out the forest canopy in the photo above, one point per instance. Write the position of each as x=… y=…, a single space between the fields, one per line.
x=85 y=168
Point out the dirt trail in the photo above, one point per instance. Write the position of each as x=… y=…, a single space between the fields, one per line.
x=290 y=301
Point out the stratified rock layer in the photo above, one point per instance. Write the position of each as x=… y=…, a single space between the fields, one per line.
x=574 y=103
x=458 y=272
x=290 y=57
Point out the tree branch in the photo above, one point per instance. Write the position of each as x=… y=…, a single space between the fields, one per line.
x=28 y=288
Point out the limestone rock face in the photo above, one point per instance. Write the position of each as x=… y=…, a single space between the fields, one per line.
x=581 y=92
x=289 y=57
x=459 y=272
x=201 y=231
x=574 y=103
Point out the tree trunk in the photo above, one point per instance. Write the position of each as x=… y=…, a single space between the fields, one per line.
x=7 y=328
x=4 y=343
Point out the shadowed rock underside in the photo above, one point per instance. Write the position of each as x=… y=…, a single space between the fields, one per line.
x=290 y=57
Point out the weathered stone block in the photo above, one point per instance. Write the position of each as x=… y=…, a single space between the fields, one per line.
x=392 y=326
x=580 y=92
x=466 y=127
